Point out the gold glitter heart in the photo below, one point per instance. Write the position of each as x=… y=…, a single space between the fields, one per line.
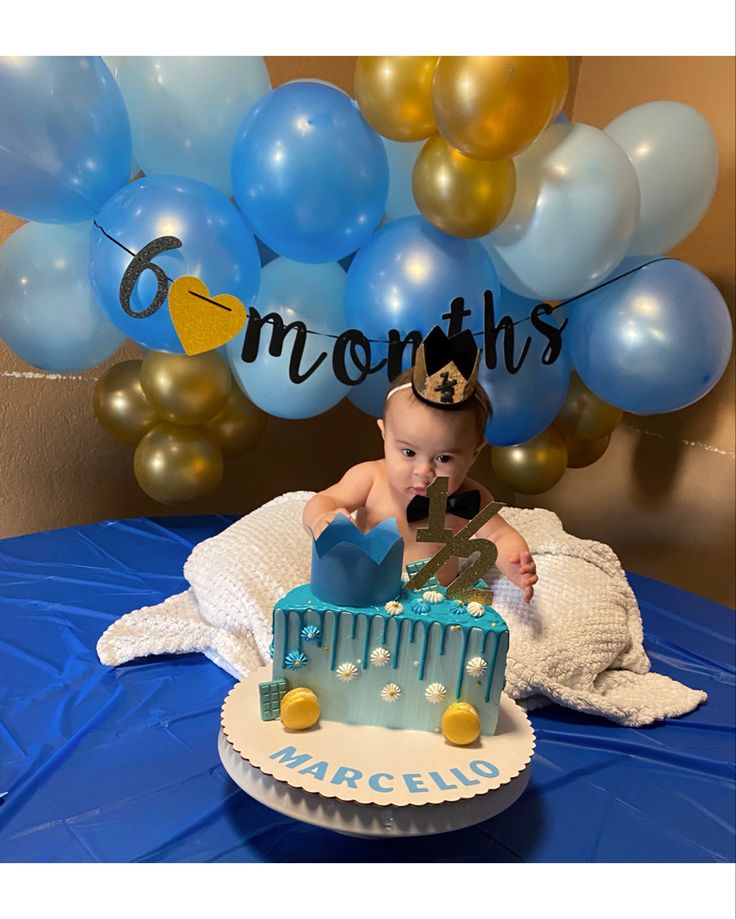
x=203 y=322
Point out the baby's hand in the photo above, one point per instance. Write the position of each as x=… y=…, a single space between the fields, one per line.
x=521 y=570
x=321 y=523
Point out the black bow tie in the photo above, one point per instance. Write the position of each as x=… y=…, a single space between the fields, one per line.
x=465 y=505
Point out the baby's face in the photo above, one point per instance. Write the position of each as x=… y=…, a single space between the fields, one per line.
x=421 y=443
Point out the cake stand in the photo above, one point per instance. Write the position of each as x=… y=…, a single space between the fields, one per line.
x=399 y=783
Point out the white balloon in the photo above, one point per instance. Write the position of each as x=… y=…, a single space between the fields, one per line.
x=574 y=214
x=675 y=156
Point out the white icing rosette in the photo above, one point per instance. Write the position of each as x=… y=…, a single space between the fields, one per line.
x=433 y=596
x=380 y=657
x=390 y=692
x=435 y=693
x=475 y=609
x=476 y=667
x=394 y=608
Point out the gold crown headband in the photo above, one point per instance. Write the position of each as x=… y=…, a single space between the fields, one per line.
x=445 y=371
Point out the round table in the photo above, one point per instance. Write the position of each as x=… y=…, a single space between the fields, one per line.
x=121 y=765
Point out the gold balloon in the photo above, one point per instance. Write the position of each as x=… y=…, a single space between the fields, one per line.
x=239 y=425
x=534 y=466
x=186 y=390
x=174 y=464
x=462 y=196
x=491 y=108
x=395 y=95
x=121 y=405
x=584 y=416
x=562 y=84
x=584 y=452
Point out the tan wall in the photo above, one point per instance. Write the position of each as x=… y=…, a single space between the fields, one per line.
x=662 y=496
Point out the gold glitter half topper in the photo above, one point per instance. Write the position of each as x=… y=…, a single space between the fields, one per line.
x=446 y=369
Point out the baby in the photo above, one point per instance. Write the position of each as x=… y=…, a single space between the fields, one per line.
x=423 y=440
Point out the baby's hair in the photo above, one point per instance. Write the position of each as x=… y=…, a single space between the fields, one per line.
x=479 y=404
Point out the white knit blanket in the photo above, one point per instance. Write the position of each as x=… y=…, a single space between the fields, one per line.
x=579 y=642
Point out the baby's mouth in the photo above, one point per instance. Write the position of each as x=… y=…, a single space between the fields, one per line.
x=419 y=491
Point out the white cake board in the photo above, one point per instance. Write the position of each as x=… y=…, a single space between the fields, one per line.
x=366 y=820
x=424 y=784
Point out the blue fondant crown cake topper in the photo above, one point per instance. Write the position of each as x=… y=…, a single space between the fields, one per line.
x=352 y=568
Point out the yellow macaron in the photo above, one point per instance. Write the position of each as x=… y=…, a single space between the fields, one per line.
x=460 y=723
x=299 y=709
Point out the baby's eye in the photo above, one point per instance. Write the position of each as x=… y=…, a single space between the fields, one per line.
x=444 y=458
x=408 y=453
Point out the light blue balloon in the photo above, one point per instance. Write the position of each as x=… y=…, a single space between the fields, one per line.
x=654 y=341
x=64 y=137
x=675 y=156
x=49 y=315
x=401 y=159
x=573 y=216
x=312 y=294
x=184 y=111
x=216 y=247
x=526 y=402
x=310 y=175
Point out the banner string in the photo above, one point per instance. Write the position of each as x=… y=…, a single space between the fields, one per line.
x=381 y=341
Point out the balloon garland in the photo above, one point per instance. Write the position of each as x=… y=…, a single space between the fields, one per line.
x=493 y=208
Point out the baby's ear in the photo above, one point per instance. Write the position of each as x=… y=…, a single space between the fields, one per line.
x=381 y=427
x=481 y=443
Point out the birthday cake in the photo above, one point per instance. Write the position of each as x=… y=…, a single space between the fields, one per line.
x=357 y=645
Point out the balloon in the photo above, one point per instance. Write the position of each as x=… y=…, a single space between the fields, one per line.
x=395 y=95
x=401 y=159
x=64 y=137
x=310 y=175
x=48 y=313
x=406 y=278
x=584 y=416
x=585 y=452
x=174 y=464
x=121 y=406
x=534 y=466
x=654 y=341
x=523 y=403
x=459 y=195
x=186 y=390
x=562 y=85
x=216 y=247
x=675 y=157
x=493 y=107
x=184 y=112
x=573 y=216
x=313 y=295
x=238 y=426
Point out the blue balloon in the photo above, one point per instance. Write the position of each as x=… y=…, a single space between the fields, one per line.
x=184 y=111
x=310 y=175
x=64 y=137
x=49 y=315
x=312 y=294
x=401 y=159
x=526 y=402
x=654 y=341
x=406 y=278
x=216 y=247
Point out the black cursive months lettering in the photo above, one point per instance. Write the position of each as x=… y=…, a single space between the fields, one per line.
x=279 y=332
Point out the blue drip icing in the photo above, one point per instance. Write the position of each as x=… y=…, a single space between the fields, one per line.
x=491 y=667
x=425 y=645
x=336 y=614
x=442 y=640
x=383 y=632
x=354 y=621
x=395 y=655
x=300 y=613
x=466 y=636
x=414 y=624
x=368 y=627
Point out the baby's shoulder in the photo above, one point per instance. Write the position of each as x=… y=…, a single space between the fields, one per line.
x=471 y=485
x=366 y=473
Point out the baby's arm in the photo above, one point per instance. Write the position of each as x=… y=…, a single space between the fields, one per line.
x=350 y=493
x=514 y=558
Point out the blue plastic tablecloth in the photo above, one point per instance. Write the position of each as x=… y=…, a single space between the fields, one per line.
x=121 y=764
